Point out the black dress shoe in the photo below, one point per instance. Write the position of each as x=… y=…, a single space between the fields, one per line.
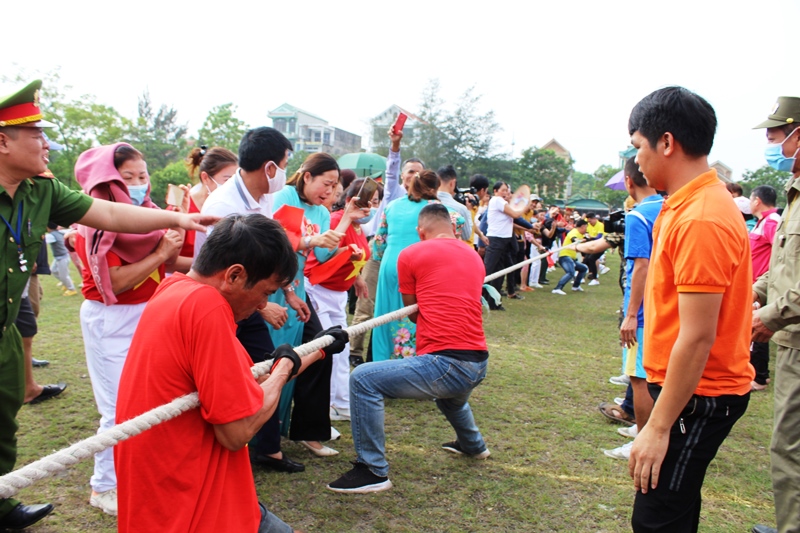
x=49 y=391
x=23 y=516
x=281 y=465
x=39 y=363
x=499 y=308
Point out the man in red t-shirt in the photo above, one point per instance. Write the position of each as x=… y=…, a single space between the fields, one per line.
x=193 y=472
x=444 y=276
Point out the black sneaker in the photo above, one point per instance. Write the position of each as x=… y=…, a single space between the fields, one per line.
x=544 y=282
x=455 y=447
x=361 y=481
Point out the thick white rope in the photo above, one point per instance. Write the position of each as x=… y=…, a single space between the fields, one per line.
x=59 y=461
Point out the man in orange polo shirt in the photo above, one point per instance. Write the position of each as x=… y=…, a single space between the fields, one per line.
x=697 y=312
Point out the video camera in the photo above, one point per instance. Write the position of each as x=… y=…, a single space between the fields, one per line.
x=467 y=193
x=614 y=222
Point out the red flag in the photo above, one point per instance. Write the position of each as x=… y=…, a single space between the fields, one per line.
x=291 y=218
x=319 y=272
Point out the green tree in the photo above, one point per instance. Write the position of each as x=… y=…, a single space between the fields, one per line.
x=497 y=168
x=174 y=173
x=429 y=142
x=222 y=128
x=765 y=175
x=584 y=184
x=158 y=135
x=82 y=124
x=468 y=132
x=545 y=170
x=463 y=137
x=295 y=162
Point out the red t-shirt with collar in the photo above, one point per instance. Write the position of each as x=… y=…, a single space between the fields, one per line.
x=446 y=275
x=176 y=477
x=139 y=294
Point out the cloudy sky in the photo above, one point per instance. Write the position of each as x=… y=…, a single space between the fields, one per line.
x=565 y=70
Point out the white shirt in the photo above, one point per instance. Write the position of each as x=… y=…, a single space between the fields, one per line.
x=500 y=224
x=232 y=198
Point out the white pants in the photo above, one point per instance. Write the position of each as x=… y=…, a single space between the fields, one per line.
x=60 y=269
x=331 y=308
x=535 y=268
x=107 y=333
x=556 y=244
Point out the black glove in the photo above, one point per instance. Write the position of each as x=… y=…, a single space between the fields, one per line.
x=340 y=340
x=286 y=351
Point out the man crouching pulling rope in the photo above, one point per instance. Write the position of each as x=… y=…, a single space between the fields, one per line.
x=444 y=276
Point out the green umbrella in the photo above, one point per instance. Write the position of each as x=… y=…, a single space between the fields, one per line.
x=363 y=164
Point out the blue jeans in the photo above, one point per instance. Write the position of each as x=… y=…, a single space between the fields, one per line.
x=570 y=266
x=426 y=377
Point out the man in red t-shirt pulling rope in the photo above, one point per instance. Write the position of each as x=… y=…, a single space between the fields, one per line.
x=444 y=276
x=193 y=473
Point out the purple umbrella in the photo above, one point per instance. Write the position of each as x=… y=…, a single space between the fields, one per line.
x=617 y=181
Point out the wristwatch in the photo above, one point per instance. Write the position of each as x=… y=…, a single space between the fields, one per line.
x=307 y=242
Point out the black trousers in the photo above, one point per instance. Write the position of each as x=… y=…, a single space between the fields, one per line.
x=523 y=249
x=500 y=254
x=674 y=506
x=759 y=358
x=252 y=332
x=543 y=270
x=590 y=260
x=311 y=419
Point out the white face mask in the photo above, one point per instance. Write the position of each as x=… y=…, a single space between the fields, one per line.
x=276 y=183
x=216 y=185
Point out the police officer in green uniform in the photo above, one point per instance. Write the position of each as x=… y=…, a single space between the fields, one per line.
x=28 y=201
x=778 y=318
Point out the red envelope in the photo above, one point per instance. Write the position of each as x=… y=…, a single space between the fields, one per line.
x=291 y=218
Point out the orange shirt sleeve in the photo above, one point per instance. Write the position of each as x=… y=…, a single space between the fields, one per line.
x=704 y=257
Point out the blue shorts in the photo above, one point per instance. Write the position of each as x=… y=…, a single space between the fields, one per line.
x=633 y=362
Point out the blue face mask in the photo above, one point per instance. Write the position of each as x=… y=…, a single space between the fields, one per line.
x=137 y=193
x=775 y=158
x=366 y=219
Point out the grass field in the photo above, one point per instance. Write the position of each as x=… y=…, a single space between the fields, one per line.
x=550 y=362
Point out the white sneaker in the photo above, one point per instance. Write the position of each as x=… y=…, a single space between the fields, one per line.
x=338 y=413
x=577 y=289
x=559 y=291
x=335 y=433
x=593 y=283
x=623 y=452
x=605 y=270
x=619 y=400
x=105 y=501
x=623 y=380
x=536 y=286
x=629 y=431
